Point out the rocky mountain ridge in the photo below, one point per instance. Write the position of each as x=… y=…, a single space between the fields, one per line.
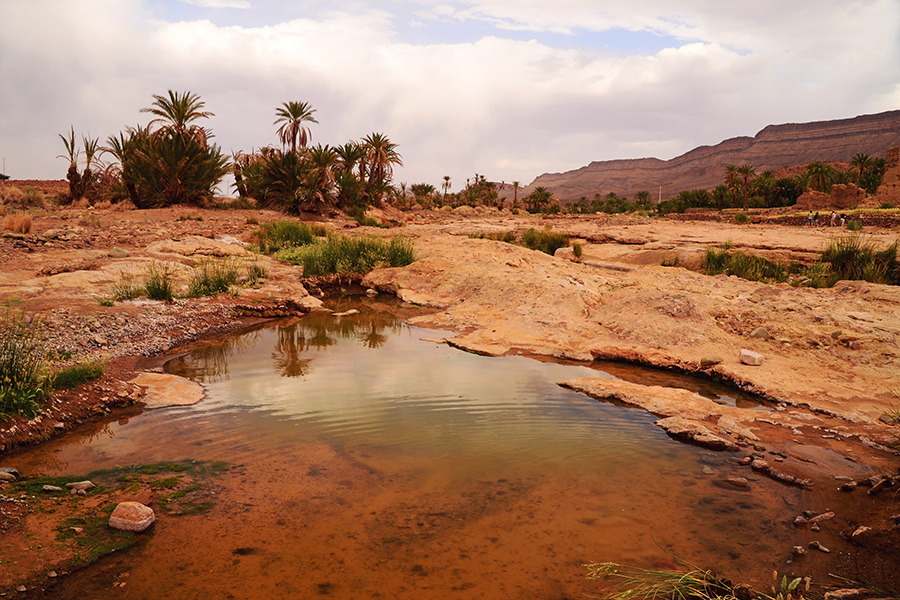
x=775 y=147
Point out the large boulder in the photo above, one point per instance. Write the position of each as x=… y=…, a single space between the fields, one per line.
x=841 y=197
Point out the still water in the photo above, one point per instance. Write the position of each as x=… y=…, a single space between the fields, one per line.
x=371 y=461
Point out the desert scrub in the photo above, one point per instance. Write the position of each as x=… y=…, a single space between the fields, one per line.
x=279 y=235
x=22 y=358
x=742 y=218
x=343 y=255
x=546 y=240
x=256 y=273
x=72 y=377
x=17 y=223
x=213 y=277
x=159 y=284
x=509 y=236
x=745 y=266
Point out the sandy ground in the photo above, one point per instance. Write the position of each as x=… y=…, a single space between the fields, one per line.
x=831 y=356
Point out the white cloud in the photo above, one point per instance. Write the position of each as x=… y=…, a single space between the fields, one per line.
x=219 y=3
x=508 y=108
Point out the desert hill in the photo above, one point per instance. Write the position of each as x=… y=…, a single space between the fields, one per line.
x=775 y=147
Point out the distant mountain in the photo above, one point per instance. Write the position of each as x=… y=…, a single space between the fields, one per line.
x=775 y=147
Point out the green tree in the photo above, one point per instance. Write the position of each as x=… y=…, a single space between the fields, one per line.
x=819 y=176
x=380 y=157
x=539 y=200
x=292 y=118
x=642 y=198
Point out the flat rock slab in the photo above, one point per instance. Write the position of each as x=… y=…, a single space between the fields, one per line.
x=131 y=516
x=164 y=390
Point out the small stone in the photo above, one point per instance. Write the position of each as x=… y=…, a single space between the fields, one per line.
x=59 y=425
x=51 y=574
x=799 y=551
x=371 y=292
x=118 y=253
x=815 y=545
x=21 y=588
x=884 y=483
x=861 y=530
x=122 y=394
x=809 y=514
x=77 y=530
x=749 y=357
x=738 y=482
x=800 y=520
x=822 y=517
x=745 y=461
x=843 y=478
x=709 y=361
x=848 y=487
x=815 y=527
x=132 y=516
x=7 y=477
x=760 y=333
x=52 y=488
x=846 y=594
x=81 y=485
x=11 y=470
x=707 y=470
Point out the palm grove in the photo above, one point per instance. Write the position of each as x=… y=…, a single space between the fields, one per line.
x=171 y=160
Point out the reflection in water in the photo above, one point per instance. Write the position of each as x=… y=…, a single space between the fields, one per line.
x=294 y=338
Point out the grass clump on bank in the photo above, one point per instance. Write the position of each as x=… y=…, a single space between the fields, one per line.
x=544 y=240
x=22 y=356
x=72 y=377
x=211 y=278
x=848 y=257
x=280 y=235
x=344 y=255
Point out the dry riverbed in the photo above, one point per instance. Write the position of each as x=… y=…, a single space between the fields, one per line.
x=829 y=357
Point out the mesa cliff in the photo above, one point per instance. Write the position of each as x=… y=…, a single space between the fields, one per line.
x=775 y=147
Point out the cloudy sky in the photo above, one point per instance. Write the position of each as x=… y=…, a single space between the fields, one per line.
x=506 y=88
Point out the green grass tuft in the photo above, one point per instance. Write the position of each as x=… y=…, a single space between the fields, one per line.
x=159 y=284
x=344 y=255
x=213 y=277
x=74 y=376
x=547 y=240
x=279 y=235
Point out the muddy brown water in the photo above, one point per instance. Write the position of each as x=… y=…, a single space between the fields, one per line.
x=370 y=462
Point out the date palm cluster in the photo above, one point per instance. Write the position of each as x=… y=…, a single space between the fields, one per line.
x=297 y=177
x=171 y=160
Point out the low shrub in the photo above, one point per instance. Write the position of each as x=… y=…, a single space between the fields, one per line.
x=213 y=277
x=74 y=376
x=855 y=225
x=256 y=272
x=745 y=266
x=22 y=357
x=578 y=250
x=509 y=237
x=343 y=255
x=742 y=218
x=547 y=240
x=159 y=284
x=17 y=223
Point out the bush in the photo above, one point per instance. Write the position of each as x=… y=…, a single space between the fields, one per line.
x=17 y=223
x=159 y=285
x=855 y=225
x=577 y=249
x=742 y=218
x=745 y=266
x=546 y=241
x=126 y=288
x=279 y=235
x=22 y=356
x=74 y=376
x=211 y=278
x=256 y=272
x=350 y=255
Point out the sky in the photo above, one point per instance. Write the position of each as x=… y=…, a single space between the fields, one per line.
x=508 y=89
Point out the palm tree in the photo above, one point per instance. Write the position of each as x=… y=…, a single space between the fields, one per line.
x=746 y=174
x=446 y=186
x=642 y=198
x=72 y=153
x=292 y=116
x=819 y=176
x=515 y=185
x=862 y=164
x=322 y=162
x=176 y=112
x=381 y=156
x=732 y=179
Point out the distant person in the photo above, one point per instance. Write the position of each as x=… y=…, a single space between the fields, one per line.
x=816 y=220
x=843 y=219
x=809 y=219
x=833 y=219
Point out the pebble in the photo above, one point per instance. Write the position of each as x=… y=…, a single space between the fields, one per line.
x=815 y=545
x=707 y=470
x=80 y=485
x=7 y=477
x=52 y=488
x=799 y=551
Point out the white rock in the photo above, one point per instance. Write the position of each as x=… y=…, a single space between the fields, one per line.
x=749 y=357
x=131 y=516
